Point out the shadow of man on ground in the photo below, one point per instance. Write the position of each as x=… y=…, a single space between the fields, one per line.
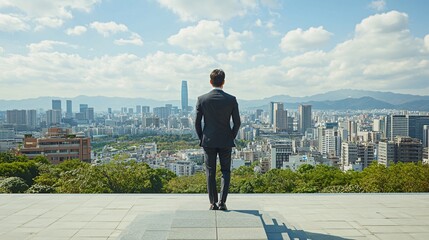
x=279 y=230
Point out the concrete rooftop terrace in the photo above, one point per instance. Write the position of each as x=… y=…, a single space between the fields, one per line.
x=186 y=216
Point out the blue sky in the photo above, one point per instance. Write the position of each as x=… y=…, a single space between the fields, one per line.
x=266 y=47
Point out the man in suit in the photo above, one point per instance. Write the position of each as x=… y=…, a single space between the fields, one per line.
x=217 y=137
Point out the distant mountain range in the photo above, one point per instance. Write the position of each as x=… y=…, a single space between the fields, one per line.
x=334 y=100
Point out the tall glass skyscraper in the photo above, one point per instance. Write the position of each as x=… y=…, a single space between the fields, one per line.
x=56 y=105
x=305 y=117
x=184 y=96
x=69 y=112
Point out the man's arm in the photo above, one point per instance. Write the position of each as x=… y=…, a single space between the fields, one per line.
x=235 y=119
x=198 y=119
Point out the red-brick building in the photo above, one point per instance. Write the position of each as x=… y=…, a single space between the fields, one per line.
x=58 y=145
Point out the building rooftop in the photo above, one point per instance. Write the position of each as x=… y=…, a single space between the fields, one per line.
x=250 y=216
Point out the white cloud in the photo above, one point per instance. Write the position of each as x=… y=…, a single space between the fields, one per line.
x=269 y=25
x=108 y=28
x=204 y=34
x=134 y=39
x=45 y=46
x=11 y=23
x=378 y=5
x=214 y=9
x=238 y=56
x=207 y=34
x=300 y=40
x=76 y=31
x=47 y=13
x=383 y=23
x=48 y=22
x=426 y=41
x=233 y=41
x=1 y=50
x=124 y=75
x=382 y=55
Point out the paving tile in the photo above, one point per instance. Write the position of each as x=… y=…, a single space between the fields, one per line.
x=94 y=233
x=420 y=236
x=196 y=214
x=57 y=233
x=247 y=222
x=155 y=235
x=376 y=222
x=101 y=225
x=40 y=222
x=278 y=236
x=384 y=229
x=241 y=233
x=393 y=236
x=67 y=225
x=193 y=223
x=335 y=225
x=345 y=232
x=237 y=214
x=192 y=233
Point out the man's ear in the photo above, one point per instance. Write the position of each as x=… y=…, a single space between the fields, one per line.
x=211 y=82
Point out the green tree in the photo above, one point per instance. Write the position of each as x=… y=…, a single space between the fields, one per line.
x=26 y=170
x=188 y=184
x=374 y=178
x=13 y=185
x=131 y=177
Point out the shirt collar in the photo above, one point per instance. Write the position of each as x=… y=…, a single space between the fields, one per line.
x=217 y=88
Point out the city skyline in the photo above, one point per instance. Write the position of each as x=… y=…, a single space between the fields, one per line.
x=266 y=48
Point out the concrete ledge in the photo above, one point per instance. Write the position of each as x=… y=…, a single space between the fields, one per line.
x=282 y=216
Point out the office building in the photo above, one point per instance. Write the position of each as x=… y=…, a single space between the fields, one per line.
x=386 y=152
x=32 y=119
x=356 y=153
x=259 y=113
x=53 y=117
x=408 y=149
x=184 y=96
x=69 y=109
x=352 y=131
x=396 y=125
x=425 y=136
x=182 y=168
x=280 y=118
x=16 y=117
x=295 y=161
x=416 y=124
x=305 y=117
x=280 y=152
x=57 y=145
x=145 y=109
x=56 y=105
x=402 y=149
x=162 y=113
x=83 y=110
x=138 y=109
x=329 y=141
x=150 y=122
x=90 y=114
x=271 y=113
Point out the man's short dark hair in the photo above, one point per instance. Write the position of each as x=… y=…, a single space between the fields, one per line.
x=217 y=77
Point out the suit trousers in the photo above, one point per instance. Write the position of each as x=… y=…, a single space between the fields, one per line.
x=210 y=156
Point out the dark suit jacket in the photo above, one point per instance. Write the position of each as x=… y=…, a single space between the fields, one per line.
x=217 y=107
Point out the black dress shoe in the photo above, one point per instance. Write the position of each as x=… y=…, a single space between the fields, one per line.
x=222 y=206
x=213 y=207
